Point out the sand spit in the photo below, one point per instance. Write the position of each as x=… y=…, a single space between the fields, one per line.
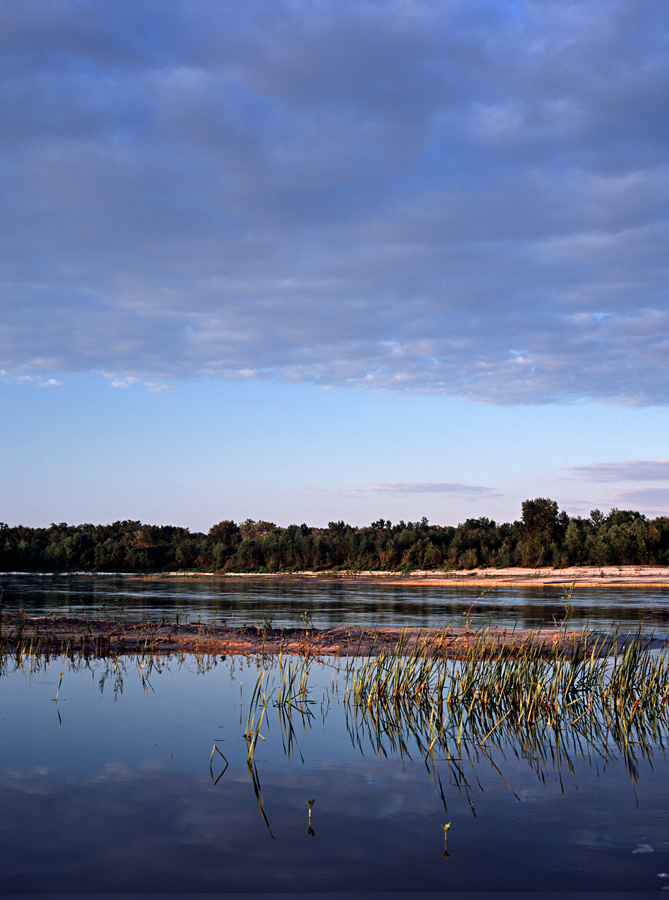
x=585 y=576
x=97 y=638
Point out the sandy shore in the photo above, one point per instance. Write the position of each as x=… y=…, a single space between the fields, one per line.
x=586 y=576
x=592 y=576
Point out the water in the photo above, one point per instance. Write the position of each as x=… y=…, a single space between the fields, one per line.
x=114 y=789
x=110 y=789
x=330 y=604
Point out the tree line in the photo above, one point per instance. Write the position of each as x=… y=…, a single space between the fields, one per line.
x=543 y=536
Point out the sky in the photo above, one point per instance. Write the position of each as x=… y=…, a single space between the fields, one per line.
x=322 y=260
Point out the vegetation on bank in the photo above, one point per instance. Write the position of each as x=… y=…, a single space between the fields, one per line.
x=544 y=536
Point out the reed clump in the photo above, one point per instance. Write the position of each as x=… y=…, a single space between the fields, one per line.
x=613 y=680
x=599 y=701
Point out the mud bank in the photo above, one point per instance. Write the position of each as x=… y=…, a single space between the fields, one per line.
x=49 y=635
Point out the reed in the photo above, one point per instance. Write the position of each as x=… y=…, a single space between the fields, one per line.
x=621 y=684
x=260 y=699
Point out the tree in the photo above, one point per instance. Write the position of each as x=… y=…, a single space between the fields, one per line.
x=573 y=543
x=382 y=525
x=541 y=517
x=224 y=532
x=256 y=531
x=624 y=516
x=596 y=517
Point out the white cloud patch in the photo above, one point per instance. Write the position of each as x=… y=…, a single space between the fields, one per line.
x=468 y=198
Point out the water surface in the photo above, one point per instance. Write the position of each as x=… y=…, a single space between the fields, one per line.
x=332 y=603
x=113 y=788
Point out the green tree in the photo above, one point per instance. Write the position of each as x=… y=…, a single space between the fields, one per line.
x=255 y=531
x=540 y=517
x=225 y=532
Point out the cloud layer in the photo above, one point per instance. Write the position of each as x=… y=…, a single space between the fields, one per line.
x=468 y=197
x=460 y=490
x=633 y=470
x=654 y=499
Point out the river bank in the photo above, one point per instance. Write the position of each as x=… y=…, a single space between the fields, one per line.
x=585 y=576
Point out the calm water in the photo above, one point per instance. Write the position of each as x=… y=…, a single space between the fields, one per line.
x=250 y=603
x=113 y=789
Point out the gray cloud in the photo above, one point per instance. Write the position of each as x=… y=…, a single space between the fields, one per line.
x=468 y=198
x=653 y=501
x=634 y=470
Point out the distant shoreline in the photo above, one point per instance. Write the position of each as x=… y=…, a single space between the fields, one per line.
x=583 y=576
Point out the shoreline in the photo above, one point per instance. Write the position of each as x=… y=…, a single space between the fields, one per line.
x=583 y=576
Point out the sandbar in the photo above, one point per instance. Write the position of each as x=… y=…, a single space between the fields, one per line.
x=51 y=635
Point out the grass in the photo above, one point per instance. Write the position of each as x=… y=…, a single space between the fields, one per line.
x=587 y=700
x=613 y=678
x=289 y=695
x=610 y=689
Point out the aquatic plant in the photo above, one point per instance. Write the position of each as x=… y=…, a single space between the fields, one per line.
x=476 y=600
x=258 y=704
x=446 y=853
x=217 y=750
x=268 y=622
x=567 y=605
x=590 y=701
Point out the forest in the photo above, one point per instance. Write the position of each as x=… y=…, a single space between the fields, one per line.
x=543 y=536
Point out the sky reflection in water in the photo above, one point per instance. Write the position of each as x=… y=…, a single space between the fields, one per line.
x=111 y=790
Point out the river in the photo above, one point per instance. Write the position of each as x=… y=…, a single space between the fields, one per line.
x=330 y=603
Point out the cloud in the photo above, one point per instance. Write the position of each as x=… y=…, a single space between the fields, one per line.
x=634 y=470
x=654 y=501
x=462 y=490
x=468 y=198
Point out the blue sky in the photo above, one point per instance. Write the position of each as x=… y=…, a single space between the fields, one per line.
x=306 y=261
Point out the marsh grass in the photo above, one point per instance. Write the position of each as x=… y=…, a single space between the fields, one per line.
x=588 y=700
x=619 y=678
x=591 y=701
x=290 y=696
x=578 y=690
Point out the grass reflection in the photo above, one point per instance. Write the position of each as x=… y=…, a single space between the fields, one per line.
x=556 y=714
x=589 y=703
